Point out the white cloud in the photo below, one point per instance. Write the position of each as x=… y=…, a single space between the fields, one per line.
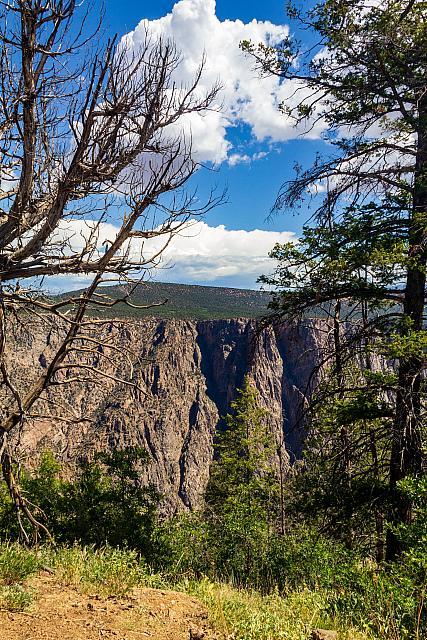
x=207 y=253
x=237 y=158
x=245 y=97
x=200 y=254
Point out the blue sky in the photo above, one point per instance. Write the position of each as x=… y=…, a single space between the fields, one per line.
x=251 y=150
x=251 y=187
x=124 y=16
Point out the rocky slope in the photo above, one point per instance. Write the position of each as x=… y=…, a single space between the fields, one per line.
x=184 y=375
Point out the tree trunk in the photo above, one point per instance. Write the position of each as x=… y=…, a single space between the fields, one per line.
x=406 y=454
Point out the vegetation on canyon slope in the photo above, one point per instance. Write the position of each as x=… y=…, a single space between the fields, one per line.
x=186 y=301
x=234 y=554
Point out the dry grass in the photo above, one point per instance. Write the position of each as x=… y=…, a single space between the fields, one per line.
x=111 y=573
x=248 y=615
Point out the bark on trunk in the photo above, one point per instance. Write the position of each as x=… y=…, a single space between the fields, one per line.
x=406 y=455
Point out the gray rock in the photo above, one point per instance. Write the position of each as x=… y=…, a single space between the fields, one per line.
x=188 y=372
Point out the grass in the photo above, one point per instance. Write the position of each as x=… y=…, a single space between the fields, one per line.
x=16 y=565
x=15 y=598
x=107 y=571
x=242 y=614
x=250 y=616
x=233 y=613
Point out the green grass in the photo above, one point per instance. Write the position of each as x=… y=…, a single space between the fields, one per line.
x=15 y=598
x=243 y=614
x=250 y=616
x=107 y=571
x=234 y=613
x=17 y=564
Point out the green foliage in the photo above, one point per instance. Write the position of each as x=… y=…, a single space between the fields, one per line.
x=104 y=504
x=188 y=301
x=16 y=564
x=108 y=571
x=248 y=615
x=15 y=598
x=411 y=575
x=243 y=471
x=342 y=485
x=362 y=256
x=301 y=567
x=8 y=524
x=231 y=537
x=414 y=533
x=237 y=541
x=381 y=603
x=183 y=546
x=243 y=492
x=411 y=345
x=358 y=257
x=314 y=583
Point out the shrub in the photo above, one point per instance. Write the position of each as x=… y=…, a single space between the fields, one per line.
x=248 y=615
x=108 y=571
x=16 y=564
x=182 y=546
x=15 y=598
x=104 y=504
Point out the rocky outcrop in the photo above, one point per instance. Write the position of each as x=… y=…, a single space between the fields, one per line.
x=183 y=377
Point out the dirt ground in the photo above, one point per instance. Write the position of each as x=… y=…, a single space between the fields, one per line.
x=62 y=613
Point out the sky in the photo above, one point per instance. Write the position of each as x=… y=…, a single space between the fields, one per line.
x=249 y=148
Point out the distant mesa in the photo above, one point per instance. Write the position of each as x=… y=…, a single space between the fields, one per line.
x=185 y=301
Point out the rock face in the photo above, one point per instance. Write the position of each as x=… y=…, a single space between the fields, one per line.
x=184 y=376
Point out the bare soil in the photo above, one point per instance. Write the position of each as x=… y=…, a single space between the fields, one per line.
x=63 y=613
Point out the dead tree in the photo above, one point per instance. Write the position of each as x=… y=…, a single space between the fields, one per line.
x=90 y=137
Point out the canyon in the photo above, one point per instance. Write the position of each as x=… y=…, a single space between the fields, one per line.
x=172 y=397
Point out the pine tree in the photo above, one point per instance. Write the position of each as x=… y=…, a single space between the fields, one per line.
x=243 y=492
x=365 y=248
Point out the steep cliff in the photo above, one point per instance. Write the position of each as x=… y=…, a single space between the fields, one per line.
x=184 y=376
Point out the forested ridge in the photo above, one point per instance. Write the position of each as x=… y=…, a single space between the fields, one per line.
x=186 y=302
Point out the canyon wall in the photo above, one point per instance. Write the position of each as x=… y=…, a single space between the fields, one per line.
x=184 y=376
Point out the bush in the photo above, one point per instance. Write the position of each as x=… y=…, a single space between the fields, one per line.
x=108 y=571
x=182 y=547
x=232 y=541
x=385 y=604
x=104 y=504
x=248 y=615
x=15 y=598
x=255 y=557
x=16 y=564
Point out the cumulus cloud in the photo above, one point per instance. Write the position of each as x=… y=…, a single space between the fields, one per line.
x=200 y=254
x=195 y=28
x=209 y=254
